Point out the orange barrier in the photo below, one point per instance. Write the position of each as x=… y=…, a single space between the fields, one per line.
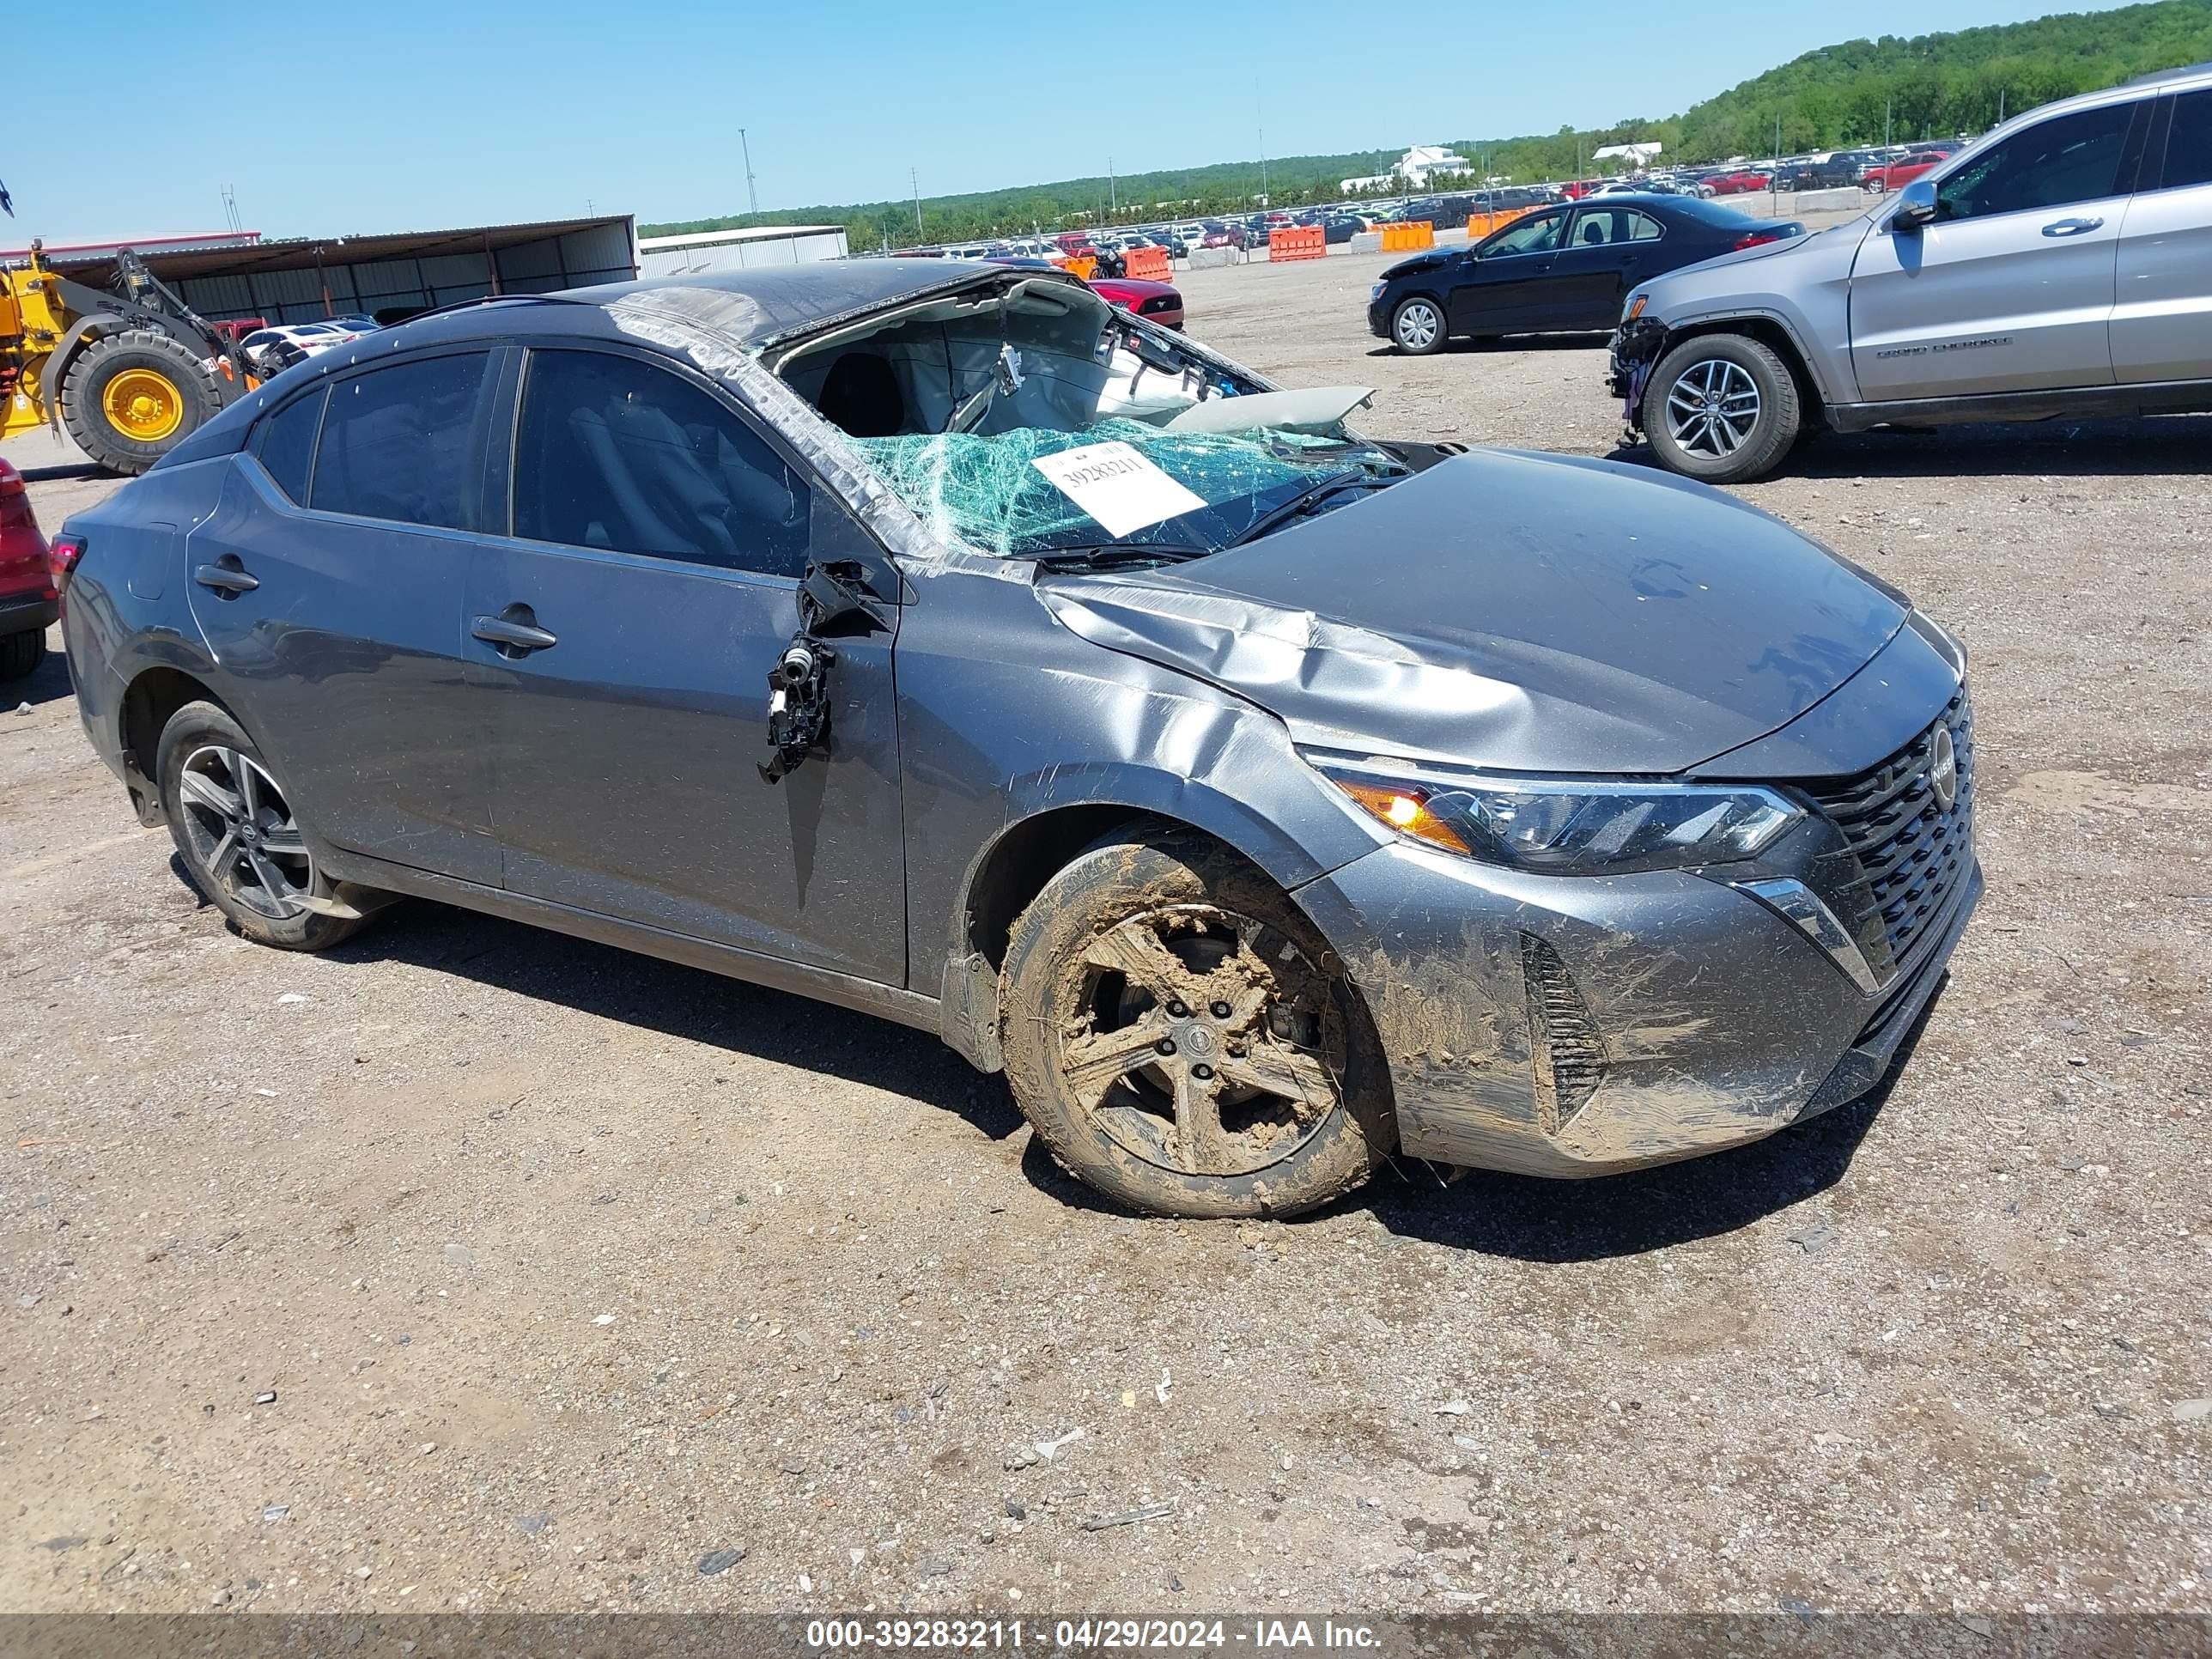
x=1408 y=238
x=1479 y=225
x=1296 y=242
x=1148 y=264
x=1086 y=267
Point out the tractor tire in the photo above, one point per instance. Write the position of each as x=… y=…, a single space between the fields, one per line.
x=130 y=398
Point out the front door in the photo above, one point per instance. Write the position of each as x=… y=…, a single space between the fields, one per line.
x=328 y=583
x=1501 y=287
x=624 y=633
x=1606 y=251
x=2010 y=288
x=2162 y=310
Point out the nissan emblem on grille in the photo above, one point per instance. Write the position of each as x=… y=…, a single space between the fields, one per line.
x=1943 y=768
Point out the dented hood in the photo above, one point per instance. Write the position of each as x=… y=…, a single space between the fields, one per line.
x=1524 y=612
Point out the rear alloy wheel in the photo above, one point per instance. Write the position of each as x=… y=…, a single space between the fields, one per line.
x=1417 y=327
x=1722 y=408
x=234 y=828
x=1176 y=1033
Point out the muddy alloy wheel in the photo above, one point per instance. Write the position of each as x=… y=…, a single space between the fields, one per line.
x=1175 y=1037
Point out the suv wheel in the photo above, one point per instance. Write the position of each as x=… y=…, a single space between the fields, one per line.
x=1182 y=1039
x=1722 y=408
x=234 y=829
x=1417 y=327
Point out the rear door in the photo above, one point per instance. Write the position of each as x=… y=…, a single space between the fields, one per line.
x=1504 y=287
x=2010 y=288
x=1606 y=251
x=328 y=584
x=623 y=634
x=2162 y=311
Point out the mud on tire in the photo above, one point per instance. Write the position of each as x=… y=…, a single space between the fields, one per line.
x=1182 y=1039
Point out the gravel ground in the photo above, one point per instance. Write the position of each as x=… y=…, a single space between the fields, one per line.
x=474 y=1266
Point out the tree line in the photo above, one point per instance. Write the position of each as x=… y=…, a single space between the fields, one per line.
x=1855 y=93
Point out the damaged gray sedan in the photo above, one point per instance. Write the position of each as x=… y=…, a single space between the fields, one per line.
x=1263 y=799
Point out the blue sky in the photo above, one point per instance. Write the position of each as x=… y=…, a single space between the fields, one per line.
x=413 y=115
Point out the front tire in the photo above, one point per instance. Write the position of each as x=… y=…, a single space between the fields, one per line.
x=1417 y=327
x=130 y=399
x=22 y=653
x=1723 y=408
x=234 y=828
x=1182 y=1039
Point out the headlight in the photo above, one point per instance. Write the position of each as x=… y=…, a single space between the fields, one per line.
x=1567 y=826
x=1636 y=304
x=1376 y=292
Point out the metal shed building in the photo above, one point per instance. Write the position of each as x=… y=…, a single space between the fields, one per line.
x=738 y=250
x=390 y=275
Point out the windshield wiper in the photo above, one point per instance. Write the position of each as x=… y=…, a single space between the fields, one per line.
x=1305 y=500
x=1103 y=556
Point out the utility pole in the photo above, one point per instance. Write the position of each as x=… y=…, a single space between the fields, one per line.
x=914 y=178
x=1888 y=105
x=1774 y=176
x=752 y=195
x=2001 y=92
x=1113 y=189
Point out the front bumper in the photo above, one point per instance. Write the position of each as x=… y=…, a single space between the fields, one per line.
x=1630 y=354
x=1582 y=1026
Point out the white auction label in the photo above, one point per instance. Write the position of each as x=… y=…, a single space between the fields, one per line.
x=1117 y=486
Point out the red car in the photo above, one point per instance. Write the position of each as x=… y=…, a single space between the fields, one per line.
x=1904 y=171
x=1156 y=302
x=1740 y=182
x=28 y=601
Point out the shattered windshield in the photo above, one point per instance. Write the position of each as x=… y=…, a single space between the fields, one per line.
x=1028 y=419
x=989 y=492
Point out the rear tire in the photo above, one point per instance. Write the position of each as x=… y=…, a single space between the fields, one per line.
x=235 y=830
x=1417 y=327
x=130 y=398
x=1181 y=1037
x=1723 y=408
x=22 y=653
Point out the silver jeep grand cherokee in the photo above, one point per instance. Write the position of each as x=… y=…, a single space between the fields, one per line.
x=2061 y=266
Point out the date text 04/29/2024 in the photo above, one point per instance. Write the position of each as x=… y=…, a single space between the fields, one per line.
x=1101 y=1633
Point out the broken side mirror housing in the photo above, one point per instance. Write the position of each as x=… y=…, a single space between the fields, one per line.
x=1915 y=208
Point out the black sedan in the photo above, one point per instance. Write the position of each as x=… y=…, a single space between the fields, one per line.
x=1561 y=270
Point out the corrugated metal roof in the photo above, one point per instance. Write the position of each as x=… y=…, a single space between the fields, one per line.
x=304 y=253
x=754 y=233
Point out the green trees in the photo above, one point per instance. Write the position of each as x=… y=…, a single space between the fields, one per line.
x=1928 y=86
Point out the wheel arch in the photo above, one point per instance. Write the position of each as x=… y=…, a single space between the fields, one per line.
x=1771 y=333
x=153 y=696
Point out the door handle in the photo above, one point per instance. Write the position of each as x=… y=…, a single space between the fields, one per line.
x=2071 y=227
x=514 y=632
x=226 y=576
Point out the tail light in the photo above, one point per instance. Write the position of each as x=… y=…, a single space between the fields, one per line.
x=63 y=559
x=1755 y=238
x=15 y=512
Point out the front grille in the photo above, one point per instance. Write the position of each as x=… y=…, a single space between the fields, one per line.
x=1912 y=851
x=1569 y=1054
x=1161 y=302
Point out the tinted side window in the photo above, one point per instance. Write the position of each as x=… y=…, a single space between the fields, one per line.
x=614 y=452
x=395 y=442
x=2071 y=158
x=1642 y=227
x=285 y=442
x=2189 y=142
x=1538 y=234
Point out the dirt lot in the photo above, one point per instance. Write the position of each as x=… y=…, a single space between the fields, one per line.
x=474 y=1266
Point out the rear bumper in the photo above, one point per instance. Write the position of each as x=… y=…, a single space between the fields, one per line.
x=24 y=613
x=1584 y=1026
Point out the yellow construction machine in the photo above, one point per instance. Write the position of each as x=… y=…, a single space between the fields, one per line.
x=128 y=373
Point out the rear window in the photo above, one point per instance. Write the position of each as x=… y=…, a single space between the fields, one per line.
x=395 y=442
x=284 y=443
